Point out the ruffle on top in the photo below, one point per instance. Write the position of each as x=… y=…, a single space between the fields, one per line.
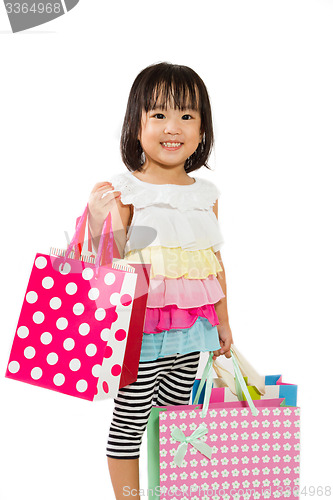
x=175 y=262
x=171 y=317
x=202 y=194
x=169 y=227
x=183 y=292
x=202 y=337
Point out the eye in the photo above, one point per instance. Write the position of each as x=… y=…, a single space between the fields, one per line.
x=159 y=116
x=186 y=117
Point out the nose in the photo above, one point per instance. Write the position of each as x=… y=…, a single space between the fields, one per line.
x=172 y=127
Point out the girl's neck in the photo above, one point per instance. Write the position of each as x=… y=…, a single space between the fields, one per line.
x=163 y=175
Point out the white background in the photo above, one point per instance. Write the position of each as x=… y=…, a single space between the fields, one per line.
x=63 y=90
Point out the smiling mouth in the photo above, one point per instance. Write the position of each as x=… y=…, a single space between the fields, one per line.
x=171 y=145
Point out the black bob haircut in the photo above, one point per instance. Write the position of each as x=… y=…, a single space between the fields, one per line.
x=166 y=84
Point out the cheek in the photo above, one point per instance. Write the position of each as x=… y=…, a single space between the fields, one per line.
x=151 y=133
x=143 y=127
x=196 y=130
x=197 y=135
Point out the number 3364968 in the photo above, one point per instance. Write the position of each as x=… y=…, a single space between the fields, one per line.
x=35 y=8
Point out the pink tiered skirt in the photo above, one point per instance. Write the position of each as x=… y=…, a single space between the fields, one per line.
x=180 y=314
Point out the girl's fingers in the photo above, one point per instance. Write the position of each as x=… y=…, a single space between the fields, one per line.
x=102 y=192
x=216 y=354
x=106 y=185
x=106 y=198
x=101 y=185
x=114 y=194
x=102 y=198
x=227 y=345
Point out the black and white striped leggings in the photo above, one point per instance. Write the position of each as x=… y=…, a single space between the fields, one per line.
x=165 y=381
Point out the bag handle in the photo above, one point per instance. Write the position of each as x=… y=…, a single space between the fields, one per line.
x=102 y=258
x=207 y=376
x=246 y=369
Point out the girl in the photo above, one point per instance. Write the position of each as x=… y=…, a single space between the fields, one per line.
x=168 y=218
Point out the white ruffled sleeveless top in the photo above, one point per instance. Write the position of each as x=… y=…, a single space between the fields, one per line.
x=175 y=229
x=180 y=215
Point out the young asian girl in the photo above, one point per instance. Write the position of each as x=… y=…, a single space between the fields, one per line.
x=167 y=133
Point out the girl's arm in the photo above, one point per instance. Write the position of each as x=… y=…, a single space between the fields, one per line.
x=100 y=206
x=221 y=307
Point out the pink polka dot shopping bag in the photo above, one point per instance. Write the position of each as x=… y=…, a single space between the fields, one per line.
x=224 y=450
x=78 y=317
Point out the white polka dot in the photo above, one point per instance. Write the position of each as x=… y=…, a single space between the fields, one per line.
x=115 y=299
x=109 y=278
x=62 y=323
x=84 y=329
x=71 y=288
x=100 y=314
x=52 y=358
x=59 y=379
x=48 y=282
x=36 y=373
x=69 y=344
x=75 y=364
x=78 y=308
x=55 y=303
x=82 y=385
x=91 y=350
x=31 y=297
x=40 y=262
x=64 y=268
x=13 y=367
x=96 y=370
x=105 y=334
x=93 y=293
x=38 y=317
x=46 y=338
x=22 y=332
x=87 y=273
x=29 y=352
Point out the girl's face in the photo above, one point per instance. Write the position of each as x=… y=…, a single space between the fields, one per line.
x=169 y=136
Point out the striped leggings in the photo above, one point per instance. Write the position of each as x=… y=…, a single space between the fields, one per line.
x=165 y=381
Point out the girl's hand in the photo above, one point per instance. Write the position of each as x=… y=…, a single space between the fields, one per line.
x=226 y=340
x=101 y=200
